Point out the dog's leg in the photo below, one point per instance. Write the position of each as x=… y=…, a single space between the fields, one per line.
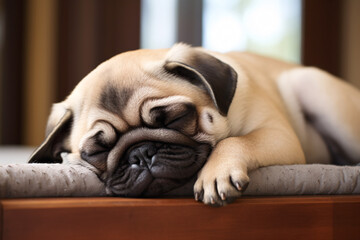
x=224 y=176
x=331 y=105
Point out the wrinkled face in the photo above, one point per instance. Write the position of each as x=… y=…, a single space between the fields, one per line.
x=145 y=123
x=152 y=144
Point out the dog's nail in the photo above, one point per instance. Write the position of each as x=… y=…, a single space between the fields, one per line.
x=212 y=200
x=238 y=186
x=196 y=196
x=223 y=197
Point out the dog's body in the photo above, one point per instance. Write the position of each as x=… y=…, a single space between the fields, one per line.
x=254 y=112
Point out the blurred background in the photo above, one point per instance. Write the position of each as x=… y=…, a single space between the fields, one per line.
x=48 y=46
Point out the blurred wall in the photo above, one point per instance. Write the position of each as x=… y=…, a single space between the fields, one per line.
x=40 y=67
x=350 y=58
x=50 y=45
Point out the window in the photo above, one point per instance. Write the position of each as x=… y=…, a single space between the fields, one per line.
x=267 y=27
x=158 y=23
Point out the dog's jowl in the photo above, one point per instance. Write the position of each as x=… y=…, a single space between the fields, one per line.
x=149 y=122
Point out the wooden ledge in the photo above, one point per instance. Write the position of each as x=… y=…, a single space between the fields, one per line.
x=315 y=217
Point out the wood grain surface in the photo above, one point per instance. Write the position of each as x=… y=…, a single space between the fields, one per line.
x=315 y=217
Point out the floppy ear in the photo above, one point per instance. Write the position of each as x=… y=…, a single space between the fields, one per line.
x=57 y=132
x=217 y=78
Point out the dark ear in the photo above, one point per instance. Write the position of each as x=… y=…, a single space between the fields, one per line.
x=217 y=78
x=57 y=132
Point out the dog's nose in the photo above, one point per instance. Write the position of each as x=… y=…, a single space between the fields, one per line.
x=177 y=116
x=161 y=159
x=142 y=155
x=153 y=161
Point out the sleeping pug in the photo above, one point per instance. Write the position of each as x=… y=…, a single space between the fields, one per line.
x=150 y=121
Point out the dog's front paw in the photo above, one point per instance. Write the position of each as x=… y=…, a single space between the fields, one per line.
x=220 y=185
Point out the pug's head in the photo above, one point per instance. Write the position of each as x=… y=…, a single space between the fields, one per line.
x=145 y=121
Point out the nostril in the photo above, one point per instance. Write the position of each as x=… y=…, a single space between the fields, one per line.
x=151 y=151
x=134 y=160
x=141 y=155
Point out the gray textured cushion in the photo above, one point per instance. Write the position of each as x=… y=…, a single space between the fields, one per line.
x=60 y=180
x=48 y=180
x=305 y=179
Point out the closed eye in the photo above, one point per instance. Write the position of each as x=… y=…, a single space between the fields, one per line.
x=97 y=143
x=97 y=159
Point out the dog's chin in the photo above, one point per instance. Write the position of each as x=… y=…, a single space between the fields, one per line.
x=150 y=169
